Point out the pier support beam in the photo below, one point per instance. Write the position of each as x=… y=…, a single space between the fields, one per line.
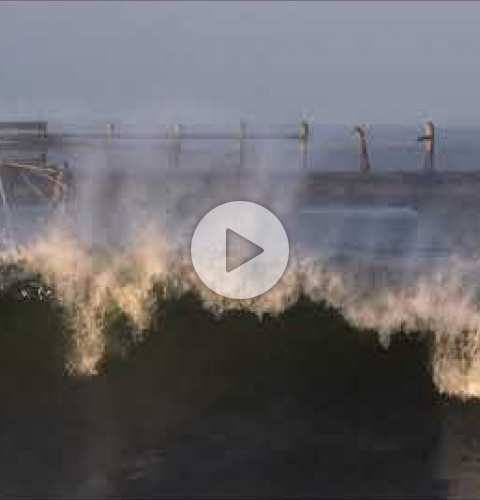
x=176 y=145
x=43 y=130
x=242 y=136
x=110 y=130
x=304 y=137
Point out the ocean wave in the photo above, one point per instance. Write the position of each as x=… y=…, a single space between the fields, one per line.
x=109 y=298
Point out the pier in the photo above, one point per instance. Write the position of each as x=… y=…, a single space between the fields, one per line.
x=26 y=167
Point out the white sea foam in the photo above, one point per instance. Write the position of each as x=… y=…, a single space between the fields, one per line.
x=90 y=281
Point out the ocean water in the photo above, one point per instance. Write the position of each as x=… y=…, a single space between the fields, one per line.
x=356 y=375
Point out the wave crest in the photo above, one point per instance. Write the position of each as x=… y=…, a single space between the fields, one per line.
x=97 y=285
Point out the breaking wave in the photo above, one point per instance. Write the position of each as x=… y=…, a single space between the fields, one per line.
x=100 y=290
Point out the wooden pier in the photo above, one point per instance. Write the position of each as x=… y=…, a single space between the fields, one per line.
x=35 y=140
x=25 y=149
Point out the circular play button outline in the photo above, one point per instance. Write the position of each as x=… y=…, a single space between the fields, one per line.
x=240 y=249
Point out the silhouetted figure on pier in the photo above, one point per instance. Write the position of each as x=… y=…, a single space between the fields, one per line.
x=362 y=142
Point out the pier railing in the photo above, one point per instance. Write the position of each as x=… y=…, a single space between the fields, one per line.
x=35 y=139
x=30 y=136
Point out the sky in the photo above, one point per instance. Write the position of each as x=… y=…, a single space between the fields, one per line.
x=343 y=62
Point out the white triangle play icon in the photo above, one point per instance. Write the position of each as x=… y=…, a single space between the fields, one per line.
x=239 y=250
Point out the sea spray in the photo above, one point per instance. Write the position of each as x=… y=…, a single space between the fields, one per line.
x=91 y=283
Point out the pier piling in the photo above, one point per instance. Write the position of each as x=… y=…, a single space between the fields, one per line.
x=304 y=137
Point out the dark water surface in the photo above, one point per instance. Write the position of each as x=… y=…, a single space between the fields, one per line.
x=300 y=405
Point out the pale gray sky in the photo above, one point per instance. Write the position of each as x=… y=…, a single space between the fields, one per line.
x=343 y=62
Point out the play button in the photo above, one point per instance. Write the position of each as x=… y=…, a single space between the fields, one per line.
x=240 y=250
